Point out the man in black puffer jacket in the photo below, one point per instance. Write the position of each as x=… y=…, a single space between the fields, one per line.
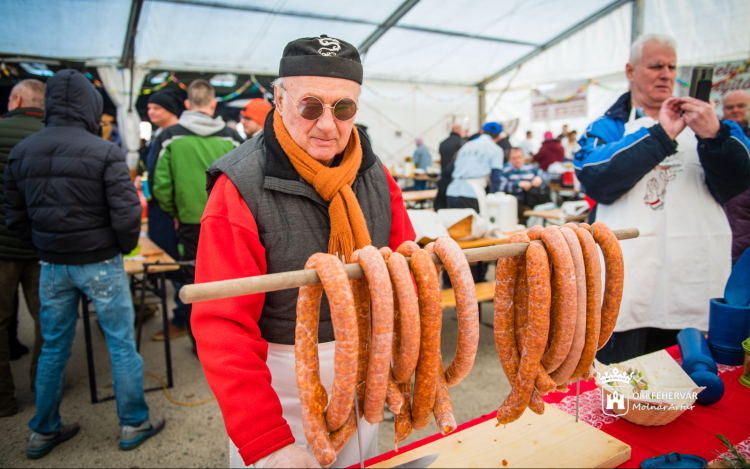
x=67 y=192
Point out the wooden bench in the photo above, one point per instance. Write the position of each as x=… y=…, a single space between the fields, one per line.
x=485 y=292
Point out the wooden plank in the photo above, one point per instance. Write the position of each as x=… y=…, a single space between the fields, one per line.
x=550 y=440
x=485 y=292
x=414 y=196
x=554 y=214
x=152 y=253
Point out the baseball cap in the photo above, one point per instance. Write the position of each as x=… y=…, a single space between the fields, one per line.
x=256 y=109
x=493 y=127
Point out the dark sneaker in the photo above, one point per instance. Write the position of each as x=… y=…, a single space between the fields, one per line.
x=133 y=437
x=40 y=445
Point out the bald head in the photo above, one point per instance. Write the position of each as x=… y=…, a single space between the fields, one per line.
x=26 y=93
x=457 y=129
x=735 y=107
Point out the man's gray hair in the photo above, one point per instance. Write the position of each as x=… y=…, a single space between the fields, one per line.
x=636 y=49
x=31 y=91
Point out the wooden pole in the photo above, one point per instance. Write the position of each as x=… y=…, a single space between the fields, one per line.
x=297 y=278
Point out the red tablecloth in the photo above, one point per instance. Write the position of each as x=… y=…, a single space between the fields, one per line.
x=694 y=432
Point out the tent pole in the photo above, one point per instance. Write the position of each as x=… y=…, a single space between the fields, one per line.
x=482 y=95
x=637 y=24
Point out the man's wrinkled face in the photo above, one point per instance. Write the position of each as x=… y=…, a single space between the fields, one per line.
x=735 y=107
x=516 y=158
x=652 y=79
x=326 y=136
x=158 y=115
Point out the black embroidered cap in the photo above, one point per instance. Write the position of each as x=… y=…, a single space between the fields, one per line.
x=321 y=57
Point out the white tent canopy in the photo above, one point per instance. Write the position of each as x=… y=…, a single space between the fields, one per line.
x=424 y=60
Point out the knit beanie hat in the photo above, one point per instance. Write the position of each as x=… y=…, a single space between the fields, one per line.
x=257 y=110
x=170 y=100
x=321 y=57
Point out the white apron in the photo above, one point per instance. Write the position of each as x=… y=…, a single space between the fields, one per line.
x=480 y=189
x=284 y=381
x=682 y=258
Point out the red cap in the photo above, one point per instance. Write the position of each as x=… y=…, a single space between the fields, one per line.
x=256 y=109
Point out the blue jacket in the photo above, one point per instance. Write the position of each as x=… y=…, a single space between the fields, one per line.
x=609 y=164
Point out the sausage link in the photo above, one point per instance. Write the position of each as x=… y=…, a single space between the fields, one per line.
x=362 y=306
x=393 y=396
x=386 y=252
x=443 y=410
x=535 y=232
x=341 y=437
x=593 y=301
x=614 y=278
x=466 y=305
x=407 y=248
x=564 y=307
x=312 y=394
x=403 y=420
x=406 y=324
x=381 y=297
x=521 y=296
x=536 y=337
x=431 y=320
x=544 y=384
x=565 y=371
x=570 y=225
x=585 y=226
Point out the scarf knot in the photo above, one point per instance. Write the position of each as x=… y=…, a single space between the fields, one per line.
x=326 y=184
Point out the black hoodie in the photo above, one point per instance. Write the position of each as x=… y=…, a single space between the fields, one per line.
x=67 y=191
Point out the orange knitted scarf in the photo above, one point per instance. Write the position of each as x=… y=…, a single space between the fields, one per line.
x=348 y=225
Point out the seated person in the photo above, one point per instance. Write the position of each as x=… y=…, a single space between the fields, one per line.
x=528 y=183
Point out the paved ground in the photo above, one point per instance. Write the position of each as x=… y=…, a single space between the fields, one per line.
x=194 y=436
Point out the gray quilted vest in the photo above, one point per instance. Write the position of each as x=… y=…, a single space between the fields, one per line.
x=293 y=221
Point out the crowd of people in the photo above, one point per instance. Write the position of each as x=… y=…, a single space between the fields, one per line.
x=308 y=181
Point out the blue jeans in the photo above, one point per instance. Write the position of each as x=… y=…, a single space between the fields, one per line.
x=60 y=289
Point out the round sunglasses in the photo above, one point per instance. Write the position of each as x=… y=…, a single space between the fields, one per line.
x=311 y=108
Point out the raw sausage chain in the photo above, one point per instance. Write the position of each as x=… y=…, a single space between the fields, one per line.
x=551 y=316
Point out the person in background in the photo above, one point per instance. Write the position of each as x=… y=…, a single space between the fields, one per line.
x=738 y=208
x=80 y=226
x=529 y=146
x=183 y=152
x=564 y=132
x=449 y=147
x=164 y=110
x=474 y=163
x=504 y=143
x=550 y=152
x=19 y=263
x=254 y=115
x=570 y=146
x=422 y=160
x=524 y=180
x=664 y=165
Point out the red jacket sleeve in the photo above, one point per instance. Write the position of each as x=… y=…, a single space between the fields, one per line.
x=401 y=229
x=230 y=347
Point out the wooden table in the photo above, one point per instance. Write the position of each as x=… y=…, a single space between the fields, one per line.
x=153 y=254
x=415 y=196
x=555 y=215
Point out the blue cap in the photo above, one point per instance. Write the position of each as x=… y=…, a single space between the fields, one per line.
x=493 y=127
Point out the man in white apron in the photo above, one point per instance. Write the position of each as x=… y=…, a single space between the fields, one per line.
x=308 y=183
x=663 y=165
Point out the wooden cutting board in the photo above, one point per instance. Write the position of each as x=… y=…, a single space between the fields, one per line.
x=550 y=440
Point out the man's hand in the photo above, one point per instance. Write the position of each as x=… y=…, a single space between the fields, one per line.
x=525 y=185
x=537 y=181
x=700 y=116
x=290 y=456
x=669 y=117
x=138 y=183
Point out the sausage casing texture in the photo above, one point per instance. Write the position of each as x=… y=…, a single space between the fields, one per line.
x=564 y=295
x=593 y=301
x=381 y=297
x=431 y=320
x=585 y=226
x=614 y=270
x=403 y=419
x=407 y=248
x=443 y=410
x=341 y=437
x=393 y=396
x=521 y=295
x=536 y=337
x=565 y=371
x=386 y=252
x=361 y=295
x=466 y=306
x=406 y=322
x=312 y=394
x=535 y=232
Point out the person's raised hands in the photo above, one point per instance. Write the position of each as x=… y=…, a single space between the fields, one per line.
x=669 y=117
x=525 y=185
x=290 y=456
x=700 y=116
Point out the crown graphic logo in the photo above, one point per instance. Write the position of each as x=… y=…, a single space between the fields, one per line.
x=616 y=376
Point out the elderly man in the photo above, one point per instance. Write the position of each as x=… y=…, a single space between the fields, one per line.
x=450 y=146
x=525 y=181
x=254 y=115
x=738 y=209
x=306 y=184
x=663 y=165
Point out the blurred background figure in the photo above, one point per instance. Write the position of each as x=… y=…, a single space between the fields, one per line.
x=422 y=160
x=526 y=182
x=449 y=147
x=569 y=144
x=735 y=109
x=253 y=116
x=550 y=152
x=529 y=147
x=738 y=208
x=564 y=132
